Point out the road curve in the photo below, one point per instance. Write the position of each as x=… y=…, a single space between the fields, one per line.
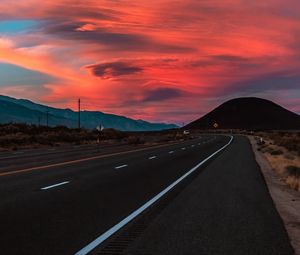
x=63 y=208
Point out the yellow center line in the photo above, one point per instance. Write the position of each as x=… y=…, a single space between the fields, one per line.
x=79 y=160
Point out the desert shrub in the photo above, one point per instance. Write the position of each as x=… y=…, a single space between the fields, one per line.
x=276 y=152
x=111 y=133
x=15 y=139
x=293 y=171
x=166 y=138
x=135 y=140
x=289 y=156
x=261 y=142
x=18 y=135
x=288 y=140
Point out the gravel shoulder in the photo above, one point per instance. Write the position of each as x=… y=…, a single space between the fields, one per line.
x=286 y=200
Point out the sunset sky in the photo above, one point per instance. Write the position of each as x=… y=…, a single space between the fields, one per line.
x=159 y=60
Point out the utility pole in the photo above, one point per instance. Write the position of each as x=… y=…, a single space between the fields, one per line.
x=47 y=117
x=79 y=113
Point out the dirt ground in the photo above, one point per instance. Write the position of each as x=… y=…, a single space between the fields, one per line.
x=286 y=200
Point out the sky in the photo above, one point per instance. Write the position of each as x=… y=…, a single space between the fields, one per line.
x=160 y=60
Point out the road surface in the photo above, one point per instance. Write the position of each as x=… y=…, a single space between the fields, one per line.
x=62 y=207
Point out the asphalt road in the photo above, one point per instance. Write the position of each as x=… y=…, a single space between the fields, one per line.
x=225 y=210
x=61 y=208
x=45 y=156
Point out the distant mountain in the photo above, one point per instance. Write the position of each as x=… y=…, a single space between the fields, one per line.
x=248 y=113
x=25 y=111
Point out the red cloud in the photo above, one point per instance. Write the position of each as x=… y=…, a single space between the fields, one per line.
x=158 y=55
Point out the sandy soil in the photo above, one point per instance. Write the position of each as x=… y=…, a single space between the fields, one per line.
x=287 y=200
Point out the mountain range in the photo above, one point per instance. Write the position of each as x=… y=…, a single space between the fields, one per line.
x=25 y=111
x=248 y=113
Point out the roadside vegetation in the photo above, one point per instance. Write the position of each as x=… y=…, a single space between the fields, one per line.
x=17 y=136
x=282 y=150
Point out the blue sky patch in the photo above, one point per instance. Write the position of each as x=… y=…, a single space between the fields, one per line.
x=12 y=75
x=15 y=26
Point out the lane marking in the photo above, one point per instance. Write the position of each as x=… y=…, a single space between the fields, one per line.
x=171 y=152
x=199 y=143
x=55 y=185
x=80 y=160
x=153 y=157
x=119 y=167
x=18 y=152
x=193 y=145
x=183 y=148
x=85 y=250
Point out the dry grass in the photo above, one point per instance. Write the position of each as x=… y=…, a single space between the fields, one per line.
x=282 y=151
x=17 y=136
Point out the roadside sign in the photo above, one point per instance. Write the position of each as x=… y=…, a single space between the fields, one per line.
x=216 y=125
x=186 y=132
x=100 y=128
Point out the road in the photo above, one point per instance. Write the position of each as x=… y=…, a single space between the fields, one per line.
x=61 y=207
x=45 y=156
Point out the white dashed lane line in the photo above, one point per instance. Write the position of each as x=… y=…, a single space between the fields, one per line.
x=55 y=185
x=18 y=152
x=183 y=148
x=171 y=152
x=119 y=167
x=153 y=157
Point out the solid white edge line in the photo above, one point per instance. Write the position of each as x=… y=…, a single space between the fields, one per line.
x=55 y=185
x=130 y=217
x=122 y=166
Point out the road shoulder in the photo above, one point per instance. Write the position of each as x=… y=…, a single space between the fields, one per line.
x=286 y=200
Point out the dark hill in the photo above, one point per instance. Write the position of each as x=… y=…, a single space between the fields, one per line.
x=248 y=113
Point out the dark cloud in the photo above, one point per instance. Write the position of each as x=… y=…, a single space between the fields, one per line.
x=272 y=81
x=230 y=58
x=69 y=31
x=113 y=69
x=111 y=40
x=162 y=94
x=213 y=60
x=82 y=11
